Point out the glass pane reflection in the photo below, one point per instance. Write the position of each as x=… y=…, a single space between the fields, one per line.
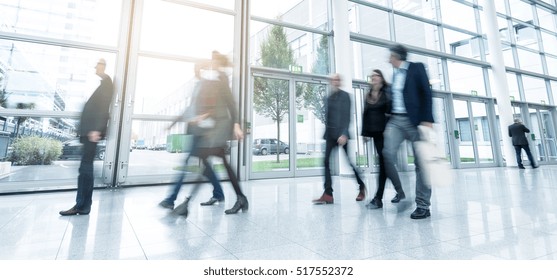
x=85 y=21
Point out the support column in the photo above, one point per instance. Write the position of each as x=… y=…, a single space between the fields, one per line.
x=343 y=65
x=499 y=84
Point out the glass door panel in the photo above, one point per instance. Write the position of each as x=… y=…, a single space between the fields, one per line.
x=150 y=160
x=270 y=126
x=153 y=155
x=440 y=126
x=310 y=119
x=464 y=131
x=549 y=135
x=535 y=136
x=482 y=132
x=542 y=135
x=366 y=155
x=161 y=82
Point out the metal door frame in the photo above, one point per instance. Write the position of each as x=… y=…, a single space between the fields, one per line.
x=293 y=78
x=490 y=114
x=542 y=137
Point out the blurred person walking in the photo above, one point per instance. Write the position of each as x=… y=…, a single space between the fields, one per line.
x=374 y=121
x=337 y=123
x=92 y=128
x=411 y=106
x=216 y=122
x=189 y=115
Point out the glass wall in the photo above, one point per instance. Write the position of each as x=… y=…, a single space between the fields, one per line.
x=465 y=78
x=465 y=18
x=512 y=83
x=94 y=22
x=462 y=44
x=303 y=50
x=529 y=61
x=163 y=83
x=369 y=21
x=179 y=40
x=311 y=14
x=535 y=90
x=418 y=8
x=446 y=39
x=48 y=53
x=48 y=50
x=372 y=57
x=422 y=34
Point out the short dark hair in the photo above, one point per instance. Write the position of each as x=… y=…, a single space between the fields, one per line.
x=400 y=51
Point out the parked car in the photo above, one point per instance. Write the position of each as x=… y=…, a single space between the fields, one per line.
x=72 y=149
x=266 y=146
x=159 y=147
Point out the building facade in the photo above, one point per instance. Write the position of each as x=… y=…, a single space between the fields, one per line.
x=282 y=53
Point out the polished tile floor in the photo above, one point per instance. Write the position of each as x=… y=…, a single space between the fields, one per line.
x=488 y=213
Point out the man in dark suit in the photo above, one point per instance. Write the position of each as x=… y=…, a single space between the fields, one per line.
x=516 y=131
x=336 y=134
x=411 y=106
x=92 y=128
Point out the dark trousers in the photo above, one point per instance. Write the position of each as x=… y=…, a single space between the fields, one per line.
x=208 y=172
x=220 y=153
x=204 y=153
x=330 y=144
x=378 y=141
x=86 y=177
x=518 y=150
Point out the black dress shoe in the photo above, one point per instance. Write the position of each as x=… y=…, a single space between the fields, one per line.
x=375 y=204
x=420 y=213
x=74 y=211
x=521 y=167
x=211 y=201
x=535 y=166
x=398 y=197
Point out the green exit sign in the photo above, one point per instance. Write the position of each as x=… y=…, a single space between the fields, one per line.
x=295 y=68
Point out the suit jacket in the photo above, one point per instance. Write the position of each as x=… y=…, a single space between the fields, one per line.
x=417 y=94
x=337 y=114
x=96 y=111
x=516 y=131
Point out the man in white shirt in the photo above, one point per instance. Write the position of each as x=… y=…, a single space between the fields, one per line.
x=411 y=106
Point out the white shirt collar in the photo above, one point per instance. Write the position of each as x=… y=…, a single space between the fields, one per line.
x=404 y=65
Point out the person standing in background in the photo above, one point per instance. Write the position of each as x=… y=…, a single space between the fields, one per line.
x=520 y=142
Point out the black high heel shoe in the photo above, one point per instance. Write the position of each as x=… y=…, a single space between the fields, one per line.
x=241 y=203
